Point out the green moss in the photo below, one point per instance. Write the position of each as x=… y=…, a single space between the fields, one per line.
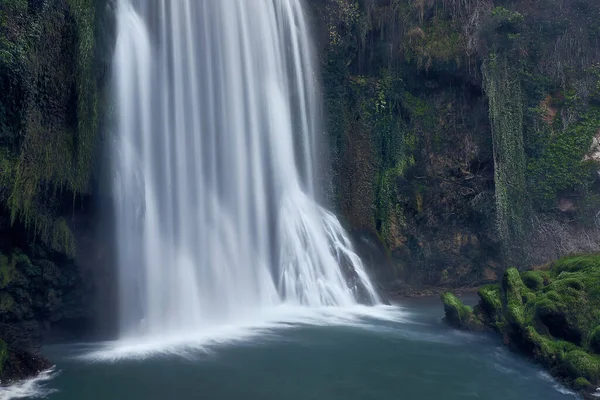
x=547 y=350
x=576 y=264
x=457 y=314
x=552 y=315
x=546 y=306
x=490 y=301
x=533 y=280
x=581 y=383
x=513 y=288
x=568 y=283
x=581 y=364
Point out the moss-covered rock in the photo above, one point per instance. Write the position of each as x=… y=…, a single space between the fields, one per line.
x=457 y=314
x=552 y=316
x=534 y=280
x=490 y=306
x=581 y=364
x=511 y=291
x=581 y=383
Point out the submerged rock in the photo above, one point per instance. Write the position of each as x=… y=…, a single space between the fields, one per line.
x=552 y=316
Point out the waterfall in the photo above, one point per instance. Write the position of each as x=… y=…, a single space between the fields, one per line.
x=215 y=167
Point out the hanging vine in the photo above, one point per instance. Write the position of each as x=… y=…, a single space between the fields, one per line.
x=503 y=88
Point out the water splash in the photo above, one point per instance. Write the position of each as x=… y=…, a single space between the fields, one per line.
x=215 y=169
x=33 y=388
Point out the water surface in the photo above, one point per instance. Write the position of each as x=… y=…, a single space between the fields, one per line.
x=417 y=357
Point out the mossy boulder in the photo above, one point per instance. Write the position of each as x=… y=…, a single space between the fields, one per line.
x=581 y=383
x=512 y=291
x=490 y=305
x=552 y=316
x=459 y=315
x=581 y=364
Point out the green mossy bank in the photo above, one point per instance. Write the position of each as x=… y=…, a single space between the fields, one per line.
x=551 y=315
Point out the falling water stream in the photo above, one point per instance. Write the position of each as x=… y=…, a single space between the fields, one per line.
x=216 y=168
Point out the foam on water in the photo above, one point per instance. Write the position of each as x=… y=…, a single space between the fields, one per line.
x=29 y=389
x=269 y=325
x=557 y=386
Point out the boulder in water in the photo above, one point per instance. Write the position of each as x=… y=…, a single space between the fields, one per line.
x=458 y=315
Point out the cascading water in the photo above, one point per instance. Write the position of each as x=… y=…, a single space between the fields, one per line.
x=216 y=217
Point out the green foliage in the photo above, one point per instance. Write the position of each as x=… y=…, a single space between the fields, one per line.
x=439 y=41
x=395 y=145
x=561 y=166
x=503 y=89
x=40 y=290
x=8 y=267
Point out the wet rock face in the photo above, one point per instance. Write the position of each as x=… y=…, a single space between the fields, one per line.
x=408 y=121
x=552 y=316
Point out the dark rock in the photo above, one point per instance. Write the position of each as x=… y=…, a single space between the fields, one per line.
x=595 y=340
x=22 y=365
